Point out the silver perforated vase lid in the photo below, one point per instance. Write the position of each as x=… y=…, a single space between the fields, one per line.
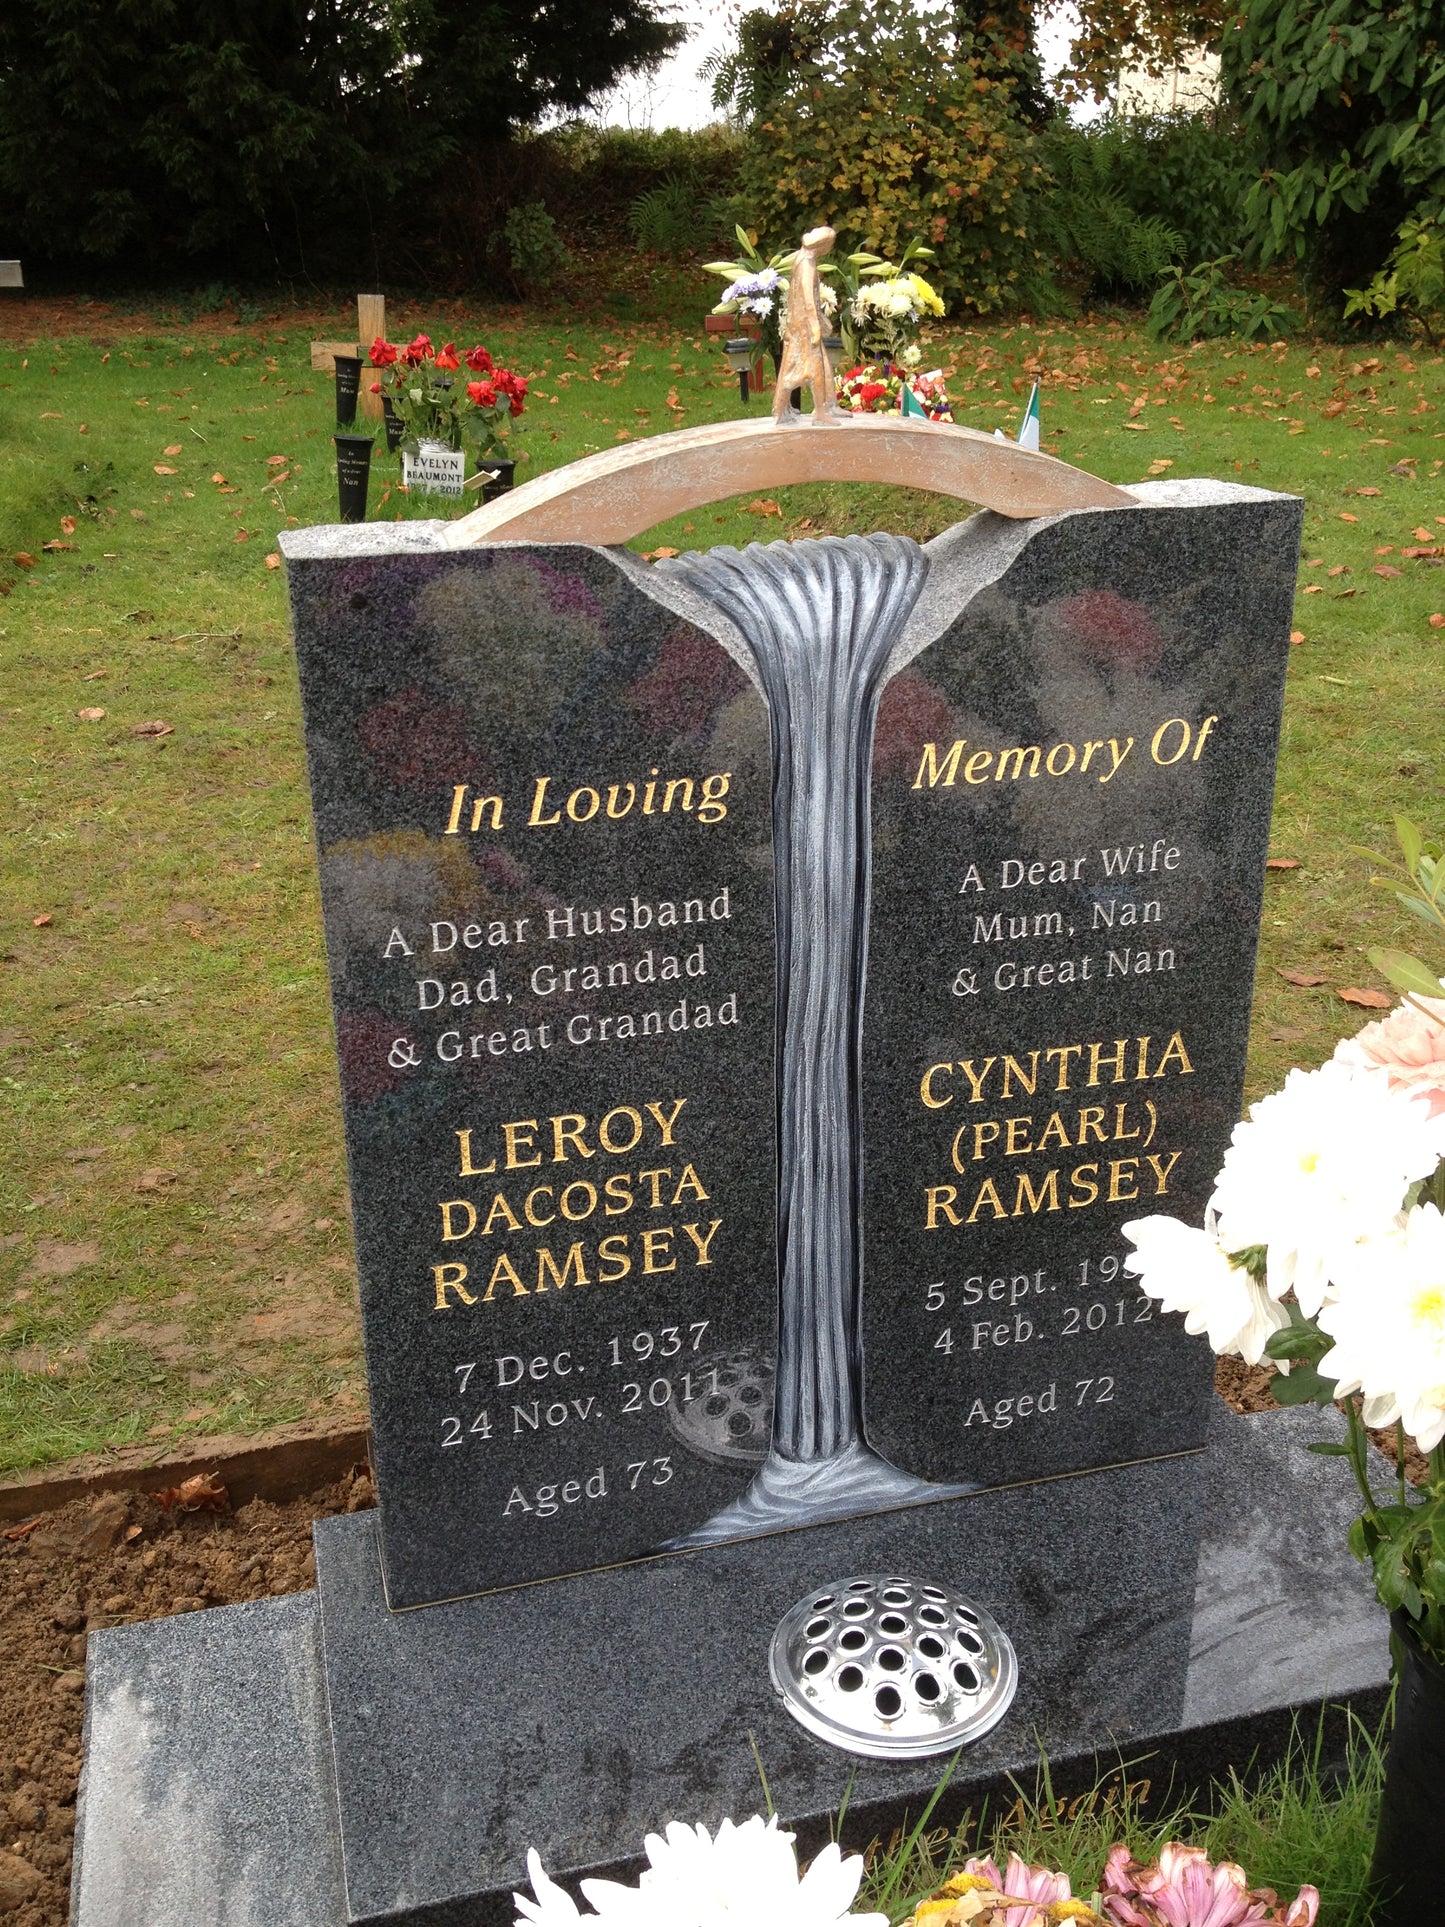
x=893 y=1668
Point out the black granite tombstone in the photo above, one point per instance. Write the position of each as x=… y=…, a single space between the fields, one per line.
x=543 y=823
x=636 y=1280
x=1071 y=790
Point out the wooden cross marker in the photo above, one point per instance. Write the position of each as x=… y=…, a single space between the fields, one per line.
x=370 y=322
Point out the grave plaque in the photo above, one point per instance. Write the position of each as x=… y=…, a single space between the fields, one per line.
x=543 y=823
x=1071 y=788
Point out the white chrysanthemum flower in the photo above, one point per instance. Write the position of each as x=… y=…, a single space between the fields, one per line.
x=1388 y=1324
x=1186 y=1270
x=552 y=1907
x=1316 y=1168
x=746 y=1877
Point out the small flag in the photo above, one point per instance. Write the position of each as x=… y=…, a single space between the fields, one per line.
x=911 y=404
x=1029 y=427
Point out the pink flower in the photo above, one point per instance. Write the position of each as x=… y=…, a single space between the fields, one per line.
x=1184 y=1889
x=1020 y=1881
x=1409 y=1044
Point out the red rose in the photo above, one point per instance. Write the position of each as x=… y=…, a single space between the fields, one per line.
x=382 y=353
x=417 y=350
x=483 y=393
x=376 y=388
x=479 y=360
x=447 y=357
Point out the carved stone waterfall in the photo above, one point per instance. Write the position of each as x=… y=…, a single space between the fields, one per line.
x=820 y=620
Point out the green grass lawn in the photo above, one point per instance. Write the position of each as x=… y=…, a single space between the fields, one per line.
x=175 y=1255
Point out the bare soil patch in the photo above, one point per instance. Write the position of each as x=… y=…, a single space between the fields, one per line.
x=106 y=1562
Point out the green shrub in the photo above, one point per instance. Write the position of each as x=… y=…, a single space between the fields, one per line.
x=1345 y=103
x=1412 y=282
x=587 y=178
x=1085 y=218
x=1200 y=305
x=1131 y=194
x=535 y=254
x=892 y=128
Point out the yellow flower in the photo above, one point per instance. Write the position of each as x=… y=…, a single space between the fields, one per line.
x=927 y=300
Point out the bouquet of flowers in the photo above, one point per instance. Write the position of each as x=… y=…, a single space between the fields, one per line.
x=1183 y=1888
x=1323 y=1247
x=886 y=313
x=427 y=389
x=748 y=1874
x=757 y=290
x=876 y=388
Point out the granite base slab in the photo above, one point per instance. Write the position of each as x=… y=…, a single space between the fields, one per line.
x=207 y=1797
x=578 y=1715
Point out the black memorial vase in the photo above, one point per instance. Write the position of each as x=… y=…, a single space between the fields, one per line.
x=1404 y=1873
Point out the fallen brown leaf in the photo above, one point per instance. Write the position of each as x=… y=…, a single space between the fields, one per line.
x=1333 y=408
x=91 y=715
x=1301 y=979
x=57 y=548
x=1367 y=491
x=1314 y=588
x=1437 y=621
x=41 y=921
x=1423 y=535
x=218 y=476
x=156 y=728
x=273 y=560
x=201 y=1492
x=277 y=461
x=1282 y=863
x=1296 y=636
x=1346 y=517
x=67 y=525
x=659 y=555
x=1384 y=569
x=1158 y=466
x=23 y=1531
x=1366 y=999
x=1340 y=568
x=156 y=1180
x=95 y=675
x=163 y=468
x=24 y=560
x=763 y=505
